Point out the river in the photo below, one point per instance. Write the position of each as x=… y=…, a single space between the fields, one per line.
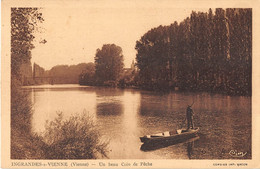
x=123 y=115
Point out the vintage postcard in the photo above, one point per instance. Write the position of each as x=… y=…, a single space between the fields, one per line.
x=130 y=84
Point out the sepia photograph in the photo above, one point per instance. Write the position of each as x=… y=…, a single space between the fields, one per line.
x=128 y=80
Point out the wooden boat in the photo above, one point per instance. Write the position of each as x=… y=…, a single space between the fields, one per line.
x=150 y=146
x=177 y=135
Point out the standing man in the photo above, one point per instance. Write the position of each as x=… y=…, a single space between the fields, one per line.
x=189 y=116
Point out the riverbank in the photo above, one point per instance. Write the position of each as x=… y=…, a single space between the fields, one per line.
x=24 y=144
x=175 y=89
x=27 y=144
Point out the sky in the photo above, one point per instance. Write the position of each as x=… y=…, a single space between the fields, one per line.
x=74 y=33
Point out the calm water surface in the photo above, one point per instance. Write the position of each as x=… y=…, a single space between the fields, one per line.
x=123 y=115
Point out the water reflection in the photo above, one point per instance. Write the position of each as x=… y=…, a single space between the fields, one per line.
x=109 y=101
x=48 y=102
x=108 y=93
x=190 y=146
x=109 y=109
x=125 y=115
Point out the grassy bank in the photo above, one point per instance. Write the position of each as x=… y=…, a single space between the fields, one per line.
x=24 y=144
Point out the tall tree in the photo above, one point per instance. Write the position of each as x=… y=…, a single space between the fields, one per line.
x=109 y=63
x=173 y=51
x=23 y=24
x=24 y=145
x=184 y=61
x=221 y=48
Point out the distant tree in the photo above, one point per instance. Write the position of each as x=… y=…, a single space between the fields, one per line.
x=108 y=63
x=87 y=76
x=129 y=77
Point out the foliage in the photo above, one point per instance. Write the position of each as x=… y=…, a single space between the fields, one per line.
x=128 y=78
x=108 y=64
x=75 y=138
x=23 y=23
x=87 y=76
x=205 y=52
x=65 y=74
x=24 y=144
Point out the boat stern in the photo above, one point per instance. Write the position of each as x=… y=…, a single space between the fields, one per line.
x=144 y=139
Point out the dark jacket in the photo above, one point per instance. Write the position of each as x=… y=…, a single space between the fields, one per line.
x=189 y=112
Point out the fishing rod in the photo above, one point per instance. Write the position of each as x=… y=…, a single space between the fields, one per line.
x=192 y=103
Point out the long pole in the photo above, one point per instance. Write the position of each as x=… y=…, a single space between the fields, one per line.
x=192 y=103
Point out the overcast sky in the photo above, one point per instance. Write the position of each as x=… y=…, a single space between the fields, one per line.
x=74 y=34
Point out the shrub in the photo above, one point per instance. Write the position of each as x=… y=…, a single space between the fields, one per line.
x=74 y=138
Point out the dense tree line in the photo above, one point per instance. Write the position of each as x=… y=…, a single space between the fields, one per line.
x=87 y=76
x=205 y=52
x=59 y=74
x=65 y=74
